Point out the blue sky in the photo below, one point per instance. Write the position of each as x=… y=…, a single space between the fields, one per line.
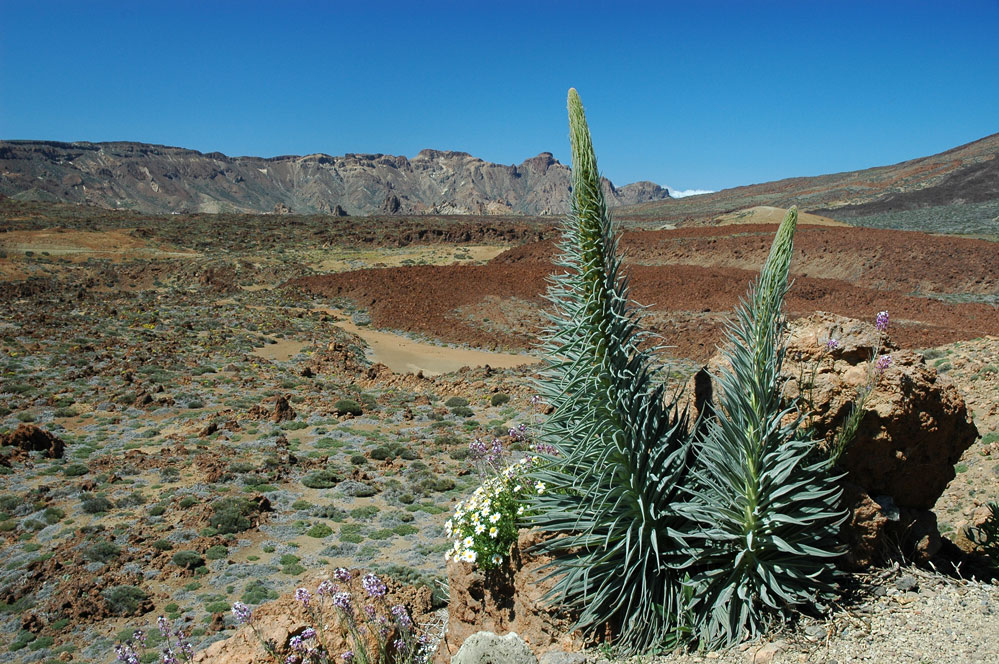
x=690 y=95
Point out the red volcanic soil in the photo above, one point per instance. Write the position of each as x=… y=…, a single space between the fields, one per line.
x=691 y=278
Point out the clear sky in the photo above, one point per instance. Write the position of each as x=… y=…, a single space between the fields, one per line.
x=698 y=94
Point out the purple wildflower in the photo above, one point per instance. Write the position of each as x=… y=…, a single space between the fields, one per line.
x=370 y=611
x=374 y=586
x=308 y=633
x=883 y=363
x=126 y=654
x=325 y=588
x=347 y=657
x=296 y=643
x=342 y=602
x=402 y=616
x=882 y=321
x=164 y=626
x=140 y=636
x=291 y=659
x=169 y=657
x=535 y=399
x=187 y=649
x=341 y=574
x=832 y=344
x=242 y=613
x=304 y=596
x=400 y=646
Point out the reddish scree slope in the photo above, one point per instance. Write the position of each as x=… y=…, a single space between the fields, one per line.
x=692 y=278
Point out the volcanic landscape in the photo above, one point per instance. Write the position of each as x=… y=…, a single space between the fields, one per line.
x=197 y=409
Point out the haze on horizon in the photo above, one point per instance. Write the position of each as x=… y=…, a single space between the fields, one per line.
x=693 y=96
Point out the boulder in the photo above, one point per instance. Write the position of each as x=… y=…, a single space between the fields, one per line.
x=489 y=648
x=32 y=438
x=914 y=429
x=508 y=599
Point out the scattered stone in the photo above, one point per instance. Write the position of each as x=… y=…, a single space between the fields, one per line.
x=32 y=438
x=562 y=657
x=282 y=410
x=489 y=648
x=906 y=582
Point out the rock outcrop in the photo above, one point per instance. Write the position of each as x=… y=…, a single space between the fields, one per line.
x=913 y=431
x=509 y=599
x=159 y=179
x=32 y=438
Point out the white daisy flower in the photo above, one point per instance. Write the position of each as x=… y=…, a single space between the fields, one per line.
x=493 y=532
x=494 y=517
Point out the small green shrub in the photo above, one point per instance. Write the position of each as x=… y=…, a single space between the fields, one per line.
x=347 y=407
x=188 y=559
x=162 y=545
x=231 y=515
x=217 y=552
x=499 y=399
x=102 y=551
x=322 y=479
x=124 y=600
x=382 y=453
x=75 y=470
x=455 y=402
x=95 y=503
x=319 y=531
x=53 y=515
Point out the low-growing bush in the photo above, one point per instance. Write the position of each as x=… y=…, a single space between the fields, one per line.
x=217 y=552
x=347 y=407
x=124 y=600
x=187 y=559
x=319 y=531
x=455 y=402
x=95 y=503
x=322 y=479
x=231 y=515
x=102 y=551
x=499 y=399
x=75 y=470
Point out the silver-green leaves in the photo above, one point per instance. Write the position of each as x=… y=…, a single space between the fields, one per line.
x=661 y=536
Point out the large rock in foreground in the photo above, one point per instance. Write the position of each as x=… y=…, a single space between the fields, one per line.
x=509 y=599
x=913 y=431
x=916 y=425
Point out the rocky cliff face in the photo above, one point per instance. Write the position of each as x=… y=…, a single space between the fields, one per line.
x=159 y=179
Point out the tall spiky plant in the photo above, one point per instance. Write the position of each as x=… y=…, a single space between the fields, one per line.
x=767 y=510
x=622 y=446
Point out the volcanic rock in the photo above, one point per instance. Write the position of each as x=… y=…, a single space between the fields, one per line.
x=282 y=410
x=914 y=429
x=508 y=599
x=32 y=438
x=489 y=648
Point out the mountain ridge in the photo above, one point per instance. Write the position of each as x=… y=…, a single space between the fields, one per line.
x=160 y=179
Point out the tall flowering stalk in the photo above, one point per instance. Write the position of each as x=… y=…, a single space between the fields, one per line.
x=622 y=446
x=764 y=514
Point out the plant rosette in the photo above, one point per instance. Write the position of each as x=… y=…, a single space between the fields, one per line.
x=485 y=525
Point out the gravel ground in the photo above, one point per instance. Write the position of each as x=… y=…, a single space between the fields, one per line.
x=899 y=616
